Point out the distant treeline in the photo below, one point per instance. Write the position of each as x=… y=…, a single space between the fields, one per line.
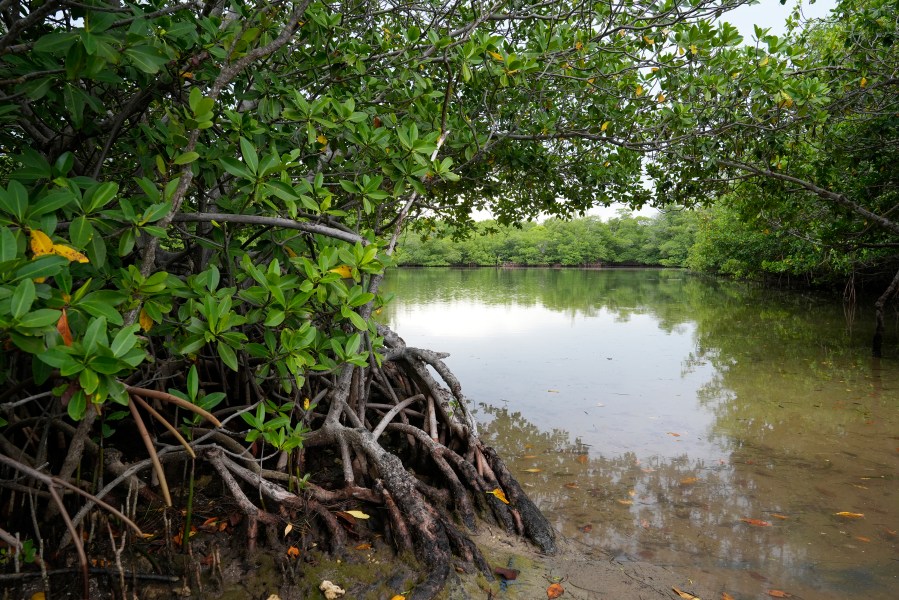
x=662 y=240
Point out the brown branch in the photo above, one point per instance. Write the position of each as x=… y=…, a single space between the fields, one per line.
x=148 y=443
x=314 y=228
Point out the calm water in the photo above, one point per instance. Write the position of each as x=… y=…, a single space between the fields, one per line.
x=662 y=409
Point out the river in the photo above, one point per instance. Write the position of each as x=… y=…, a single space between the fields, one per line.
x=743 y=436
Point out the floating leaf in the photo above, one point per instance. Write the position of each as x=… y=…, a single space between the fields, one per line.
x=672 y=434
x=398 y=597
x=529 y=456
x=780 y=516
x=850 y=515
x=62 y=326
x=583 y=459
x=779 y=594
x=685 y=595
x=587 y=528
x=625 y=502
x=40 y=243
x=726 y=596
x=571 y=486
x=862 y=538
x=554 y=591
x=756 y=522
x=358 y=514
x=534 y=470
x=689 y=480
x=499 y=494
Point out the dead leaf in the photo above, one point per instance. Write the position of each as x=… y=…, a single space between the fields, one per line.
x=571 y=485
x=529 y=456
x=507 y=574
x=779 y=516
x=62 y=326
x=689 y=480
x=554 y=591
x=850 y=515
x=672 y=434
x=685 y=595
x=288 y=529
x=535 y=470
x=500 y=495
x=587 y=528
x=756 y=522
x=862 y=538
x=343 y=270
x=779 y=594
x=40 y=243
x=398 y=597
x=624 y=502
x=363 y=547
x=145 y=320
x=358 y=514
x=583 y=459
x=726 y=596
x=68 y=253
x=293 y=552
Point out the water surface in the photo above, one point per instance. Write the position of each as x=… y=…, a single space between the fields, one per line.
x=710 y=426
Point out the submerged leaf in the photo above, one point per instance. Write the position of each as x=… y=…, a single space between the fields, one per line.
x=534 y=470
x=685 y=595
x=779 y=594
x=850 y=515
x=756 y=522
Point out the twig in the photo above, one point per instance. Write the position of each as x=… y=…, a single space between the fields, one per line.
x=165 y=397
x=165 y=424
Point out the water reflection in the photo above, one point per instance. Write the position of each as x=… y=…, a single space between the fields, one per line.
x=687 y=422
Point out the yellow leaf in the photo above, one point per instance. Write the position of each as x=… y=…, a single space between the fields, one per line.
x=763 y=62
x=850 y=515
x=38 y=596
x=660 y=97
x=357 y=513
x=864 y=82
x=578 y=46
x=306 y=404
x=40 y=243
x=496 y=55
x=680 y=51
x=649 y=40
x=726 y=596
x=654 y=69
x=321 y=139
x=591 y=80
x=289 y=252
x=398 y=597
x=606 y=164
x=639 y=91
x=499 y=494
x=694 y=49
x=532 y=470
x=685 y=595
x=605 y=125
x=343 y=270
x=146 y=323
x=69 y=253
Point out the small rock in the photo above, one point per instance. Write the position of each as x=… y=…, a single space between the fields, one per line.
x=330 y=590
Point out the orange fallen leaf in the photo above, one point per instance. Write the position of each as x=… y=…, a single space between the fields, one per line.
x=779 y=516
x=726 y=596
x=779 y=594
x=571 y=485
x=529 y=456
x=583 y=459
x=689 y=480
x=862 y=538
x=587 y=528
x=398 y=597
x=756 y=522
x=850 y=515
x=685 y=595
x=500 y=495
x=293 y=552
x=363 y=547
x=554 y=591
x=671 y=433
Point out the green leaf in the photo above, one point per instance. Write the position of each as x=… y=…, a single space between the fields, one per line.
x=99 y=196
x=187 y=157
x=250 y=157
x=22 y=298
x=193 y=382
x=95 y=334
x=236 y=168
x=14 y=200
x=8 y=247
x=77 y=405
x=81 y=231
x=42 y=266
x=274 y=318
x=227 y=355
x=124 y=340
x=40 y=318
x=146 y=58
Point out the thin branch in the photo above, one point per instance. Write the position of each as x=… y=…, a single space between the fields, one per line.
x=314 y=228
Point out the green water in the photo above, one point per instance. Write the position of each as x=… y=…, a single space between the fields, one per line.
x=662 y=409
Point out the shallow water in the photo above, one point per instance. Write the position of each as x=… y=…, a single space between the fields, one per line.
x=710 y=426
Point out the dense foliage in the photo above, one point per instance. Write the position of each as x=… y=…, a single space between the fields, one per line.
x=198 y=201
x=662 y=240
